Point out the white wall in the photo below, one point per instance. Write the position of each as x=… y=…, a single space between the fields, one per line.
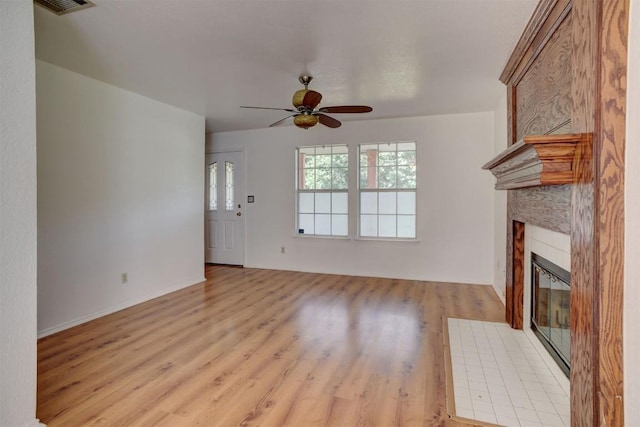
x=632 y=227
x=455 y=206
x=500 y=206
x=17 y=215
x=120 y=189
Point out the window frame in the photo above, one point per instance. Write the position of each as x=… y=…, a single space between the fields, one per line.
x=354 y=194
x=377 y=190
x=316 y=191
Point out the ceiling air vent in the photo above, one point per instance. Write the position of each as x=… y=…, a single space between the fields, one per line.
x=61 y=7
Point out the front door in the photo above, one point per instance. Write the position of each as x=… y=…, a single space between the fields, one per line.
x=224 y=218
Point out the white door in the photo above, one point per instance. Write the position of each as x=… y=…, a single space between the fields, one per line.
x=224 y=217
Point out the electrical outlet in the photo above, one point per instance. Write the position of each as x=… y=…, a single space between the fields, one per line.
x=281 y=249
x=124 y=278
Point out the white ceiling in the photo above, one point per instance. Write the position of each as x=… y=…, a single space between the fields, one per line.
x=402 y=57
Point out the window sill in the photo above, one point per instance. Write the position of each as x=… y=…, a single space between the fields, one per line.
x=355 y=239
x=320 y=236
x=385 y=240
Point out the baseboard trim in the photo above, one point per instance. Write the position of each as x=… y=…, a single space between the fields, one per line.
x=35 y=423
x=130 y=303
x=500 y=295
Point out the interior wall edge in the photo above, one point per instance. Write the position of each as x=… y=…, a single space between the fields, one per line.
x=631 y=313
x=18 y=216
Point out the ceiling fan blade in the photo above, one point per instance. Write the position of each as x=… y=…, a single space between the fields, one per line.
x=271 y=108
x=311 y=99
x=346 y=109
x=281 y=120
x=328 y=121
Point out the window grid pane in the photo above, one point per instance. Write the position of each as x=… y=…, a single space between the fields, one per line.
x=387 y=184
x=306 y=203
x=340 y=225
x=322 y=203
x=407 y=226
x=387 y=203
x=339 y=203
x=213 y=186
x=387 y=226
x=323 y=224
x=369 y=225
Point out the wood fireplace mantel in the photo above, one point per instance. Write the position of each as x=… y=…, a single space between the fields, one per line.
x=537 y=160
x=567 y=74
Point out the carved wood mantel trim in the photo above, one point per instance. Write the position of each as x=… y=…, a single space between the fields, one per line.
x=545 y=19
x=536 y=160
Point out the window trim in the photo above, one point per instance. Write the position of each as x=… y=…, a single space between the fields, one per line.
x=329 y=191
x=354 y=191
x=360 y=190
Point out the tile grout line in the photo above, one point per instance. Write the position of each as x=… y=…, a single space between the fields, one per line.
x=489 y=344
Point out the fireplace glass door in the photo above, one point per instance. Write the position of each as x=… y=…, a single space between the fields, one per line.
x=550 y=308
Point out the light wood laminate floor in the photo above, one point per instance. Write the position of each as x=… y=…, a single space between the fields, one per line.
x=262 y=347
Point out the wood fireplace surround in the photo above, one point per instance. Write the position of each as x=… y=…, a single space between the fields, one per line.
x=564 y=168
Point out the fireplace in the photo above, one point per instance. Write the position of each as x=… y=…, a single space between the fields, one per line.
x=550 y=308
x=545 y=312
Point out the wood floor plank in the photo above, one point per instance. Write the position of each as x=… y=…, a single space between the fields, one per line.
x=253 y=347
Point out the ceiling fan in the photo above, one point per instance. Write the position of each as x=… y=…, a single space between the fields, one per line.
x=305 y=114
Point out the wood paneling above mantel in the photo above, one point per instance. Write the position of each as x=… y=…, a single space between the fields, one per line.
x=536 y=160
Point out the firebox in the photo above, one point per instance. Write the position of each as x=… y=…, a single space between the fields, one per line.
x=550 y=314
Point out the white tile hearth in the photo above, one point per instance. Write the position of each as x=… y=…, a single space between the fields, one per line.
x=500 y=378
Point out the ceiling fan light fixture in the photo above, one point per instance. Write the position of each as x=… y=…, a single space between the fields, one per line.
x=298 y=97
x=306 y=115
x=305 y=121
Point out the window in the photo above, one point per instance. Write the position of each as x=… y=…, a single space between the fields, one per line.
x=228 y=187
x=387 y=187
x=213 y=186
x=322 y=190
